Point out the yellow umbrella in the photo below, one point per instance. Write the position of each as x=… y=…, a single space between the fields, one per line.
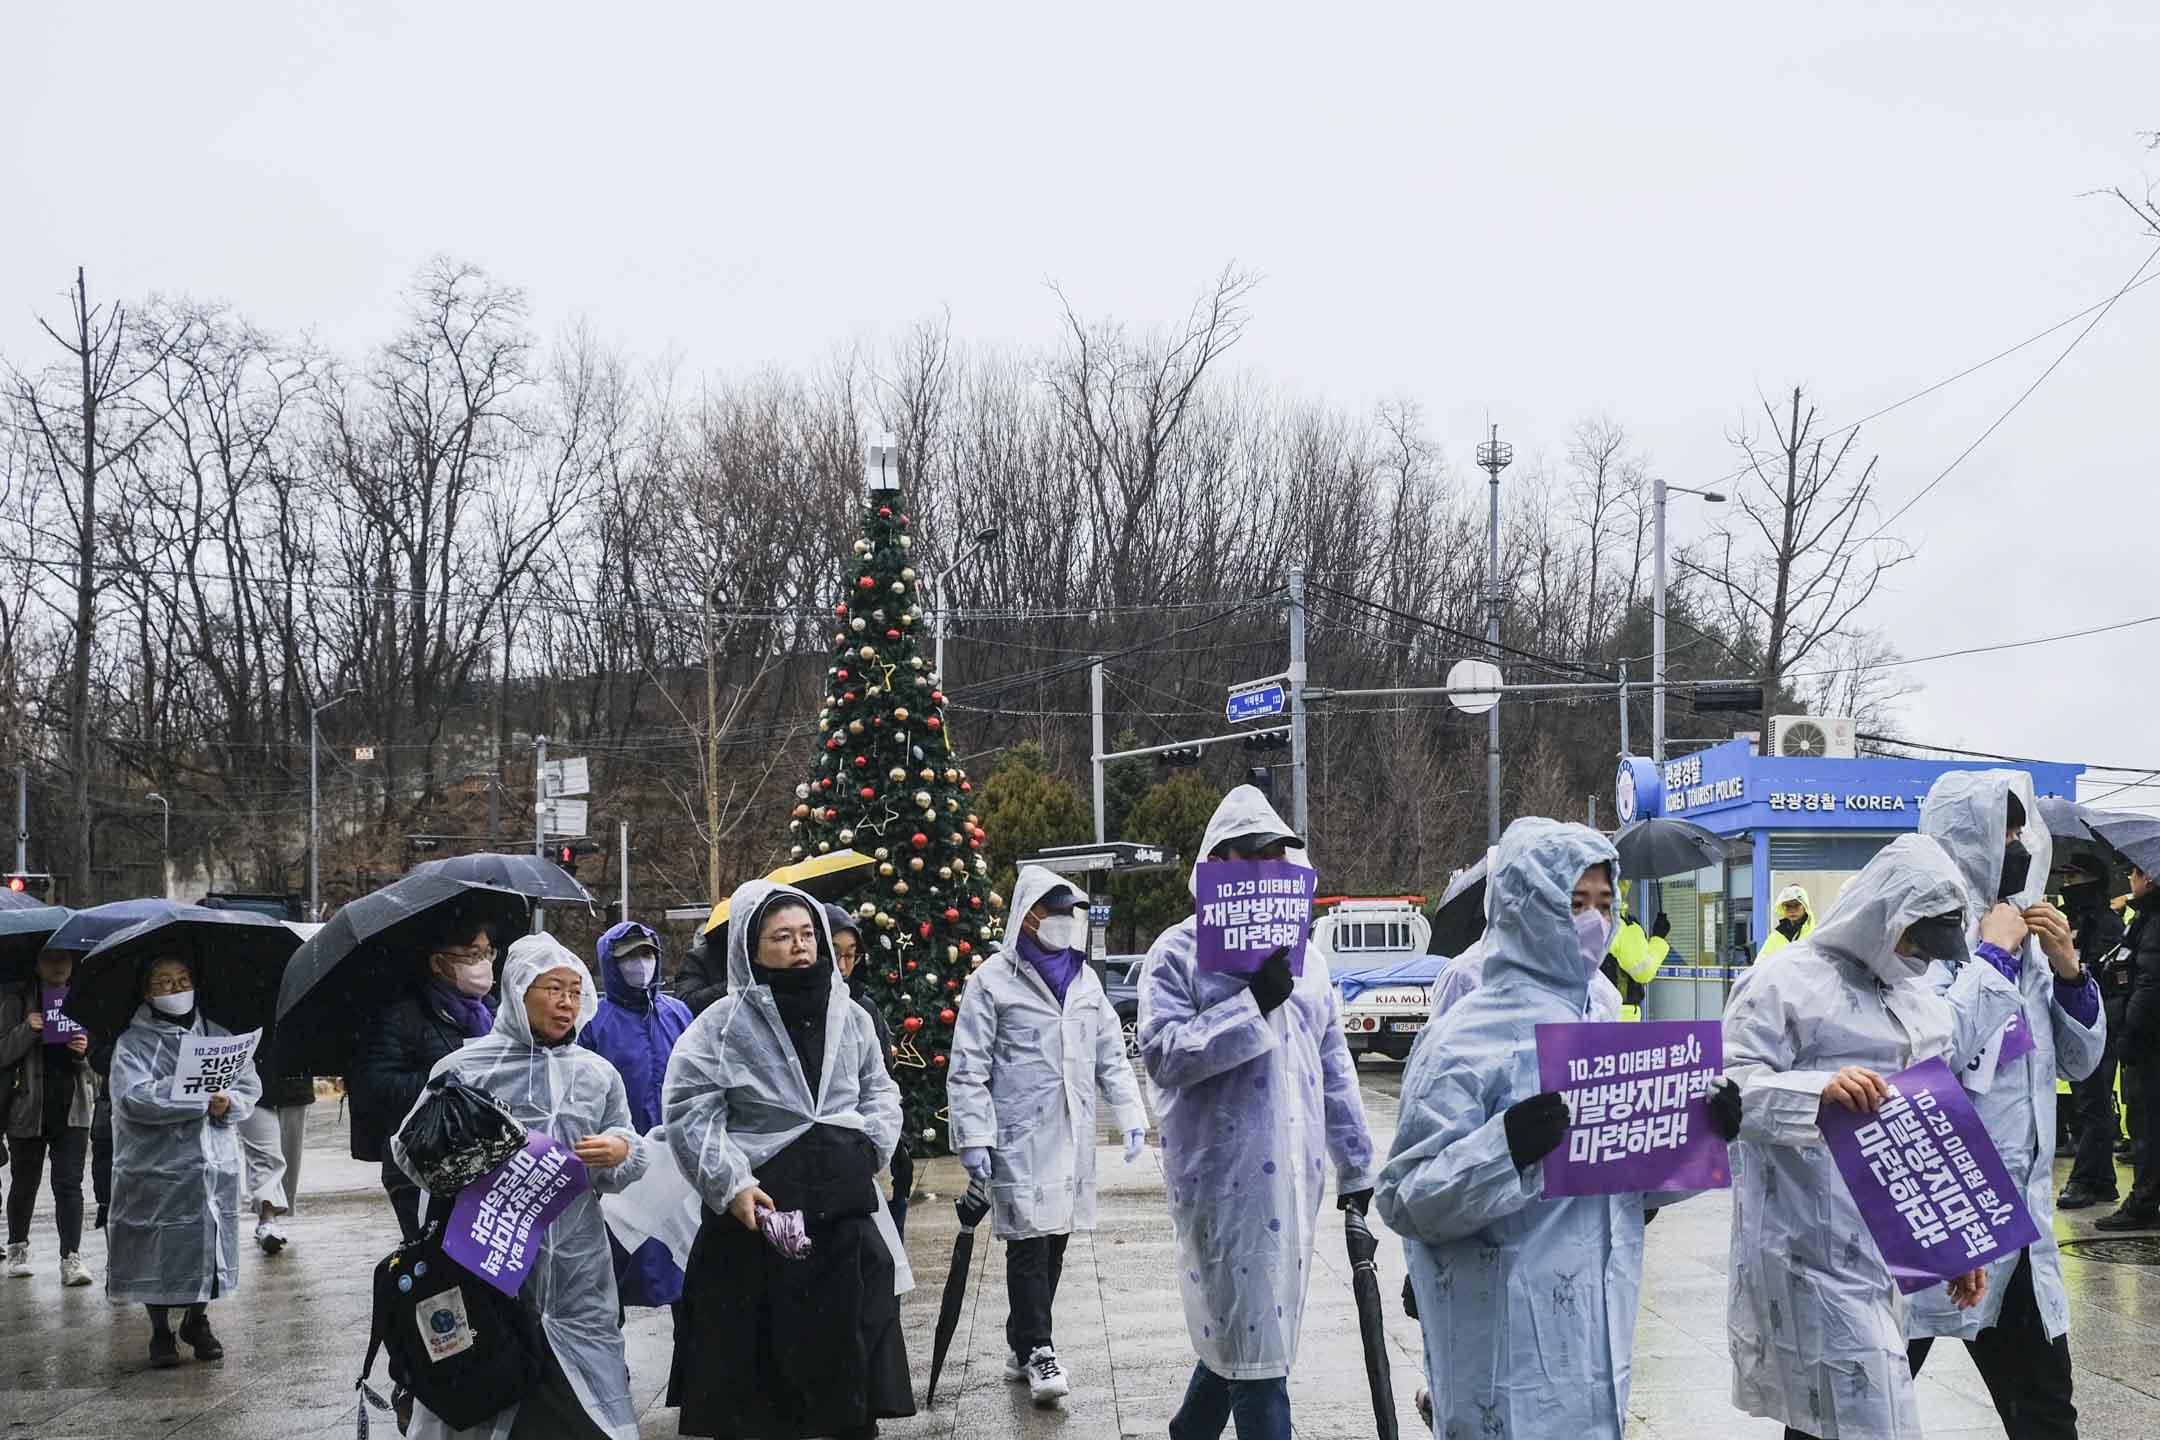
x=822 y=877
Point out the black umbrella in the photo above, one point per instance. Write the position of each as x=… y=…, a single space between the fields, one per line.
x=1657 y=847
x=971 y=1208
x=536 y=877
x=22 y=934
x=2065 y=819
x=237 y=958
x=2137 y=837
x=336 y=980
x=1372 y=1329
x=1459 y=919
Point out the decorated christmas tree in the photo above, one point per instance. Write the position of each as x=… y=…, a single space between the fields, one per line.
x=885 y=784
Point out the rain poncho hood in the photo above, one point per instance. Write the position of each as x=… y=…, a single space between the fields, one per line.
x=635 y=1030
x=1527 y=1305
x=1966 y=812
x=1252 y=1109
x=1816 y=1326
x=174 y=1227
x=1244 y=811
x=1024 y=1072
x=565 y=1092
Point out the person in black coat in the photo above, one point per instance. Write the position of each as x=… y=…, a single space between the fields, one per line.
x=2097 y=932
x=702 y=977
x=2140 y=1053
x=434 y=1011
x=847 y=955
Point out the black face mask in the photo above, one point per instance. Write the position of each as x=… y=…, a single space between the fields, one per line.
x=1790 y=928
x=2017 y=863
x=1939 y=937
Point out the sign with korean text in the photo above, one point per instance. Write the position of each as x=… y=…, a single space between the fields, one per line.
x=1248 y=909
x=1636 y=1096
x=566 y=817
x=1257 y=699
x=568 y=777
x=1927 y=1179
x=210 y=1063
x=498 y=1221
x=58 y=1028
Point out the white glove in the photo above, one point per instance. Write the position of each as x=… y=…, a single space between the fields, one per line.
x=1135 y=1142
x=975 y=1159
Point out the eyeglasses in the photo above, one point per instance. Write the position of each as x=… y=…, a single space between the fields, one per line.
x=177 y=986
x=557 y=990
x=465 y=954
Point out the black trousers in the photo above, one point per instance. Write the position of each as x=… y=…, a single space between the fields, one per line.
x=2093 y=1099
x=66 y=1149
x=2143 y=1079
x=2027 y=1375
x=101 y=1147
x=1032 y=1269
x=405 y=1201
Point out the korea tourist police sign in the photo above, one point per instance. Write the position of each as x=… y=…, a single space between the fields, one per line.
x=1927 y=1180
x=1637 y=1106
x=1248 y=909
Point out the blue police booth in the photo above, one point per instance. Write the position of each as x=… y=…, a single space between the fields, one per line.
x=1792 y=821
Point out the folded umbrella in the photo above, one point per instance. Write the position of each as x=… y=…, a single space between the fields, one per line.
x=1654 y=848
x=336 y=980
x=1372 y=1327
x=237 y=957
x=971 y=1208
x=23 y=933
x=536 y=877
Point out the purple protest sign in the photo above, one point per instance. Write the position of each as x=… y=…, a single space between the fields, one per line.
x=58 y=1028
x=1636 y=1110
x=497 y=1223
x=1249 y=909
x=1927 y=1179
x=2017 y=1041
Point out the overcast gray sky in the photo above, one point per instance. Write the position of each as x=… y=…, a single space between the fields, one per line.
x=1536 y=212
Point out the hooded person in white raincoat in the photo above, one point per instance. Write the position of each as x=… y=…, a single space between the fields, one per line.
x=1990 y=824
x=1463 y=974
x=1527 y=1304
x=531 y=1061
x=1035 y=1037
x=1817 y=1326
x=1255 y=1093
x=778 y=1099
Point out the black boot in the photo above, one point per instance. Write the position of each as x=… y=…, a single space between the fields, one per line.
x=164 y=1354
x=196 y=1331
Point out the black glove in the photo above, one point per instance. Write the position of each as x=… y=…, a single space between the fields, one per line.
x=1724 y=1106
x=1272 y=982
x=1358 y=1200
x=1535 y=1128
x=1409 y=1299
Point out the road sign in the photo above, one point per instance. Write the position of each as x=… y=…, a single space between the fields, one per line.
x=568 y=777
x=1474 y=686
x=1258 y=699
x=363 y=752
x=566 y=817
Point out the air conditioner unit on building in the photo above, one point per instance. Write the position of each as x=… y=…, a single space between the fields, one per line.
x=1812 y=737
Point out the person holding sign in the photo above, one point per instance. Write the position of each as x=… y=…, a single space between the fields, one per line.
x=1466 y=971
x=1817 y=1325
x=1990 y=824
x=1527 y=1304
x=45 y=1065
x=173 y=1238
x=1256 y=1093
x=1035 y=1037
x=531 y=1062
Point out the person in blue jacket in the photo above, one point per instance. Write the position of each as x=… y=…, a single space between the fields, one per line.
x=635 y=1030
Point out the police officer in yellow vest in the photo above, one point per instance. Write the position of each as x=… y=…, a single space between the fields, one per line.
x=1796 y=921
x=1632 y=963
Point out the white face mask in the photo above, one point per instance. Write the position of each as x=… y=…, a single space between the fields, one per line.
x=1593 y=936
x=1062 y=932
x=637 y=972
x=475 y=977
x=174 y=1005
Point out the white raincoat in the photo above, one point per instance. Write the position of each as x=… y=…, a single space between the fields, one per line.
x=1816 y=1323
x=1966 y=813
x=1527 y=1304
x=175 y=1223
x=565 y=1092
x=1252 y=1107
x=1023 y=1076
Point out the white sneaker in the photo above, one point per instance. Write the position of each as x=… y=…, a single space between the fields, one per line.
x=1046 y=1378
x=73 y=1271
x=268 y=1237
x=18 y=1260
x=1015 y=1368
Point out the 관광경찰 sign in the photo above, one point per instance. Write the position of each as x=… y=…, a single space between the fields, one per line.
x=1637 y=1114
x=1246 y=909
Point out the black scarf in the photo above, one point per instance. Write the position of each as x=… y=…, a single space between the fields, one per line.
x=801 y=996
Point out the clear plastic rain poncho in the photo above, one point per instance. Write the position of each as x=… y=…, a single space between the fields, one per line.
x=736 y=1095
x=1466 y=971
x=175 y=1222
x=1816 y=1323
x=1252 y=1107
x=1527 y=1304
x=1966 y=813
x=565 y=1092
x=1023 y=1076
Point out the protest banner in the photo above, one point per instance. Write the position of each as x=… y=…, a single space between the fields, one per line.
x=210 y=1063
x=497 y=1222
x=59 y=1030
x=1248 y=909
x=1635 y=1094
x=1927 y=1180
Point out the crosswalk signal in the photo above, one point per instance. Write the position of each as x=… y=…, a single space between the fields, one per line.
x=24 y=882
x=566 y=856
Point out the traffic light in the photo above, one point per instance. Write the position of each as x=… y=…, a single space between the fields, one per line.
x=614 y=913
x=1744 y=699
x=1183 y=756
x=24 y=882
x=566 y=856
x=1267 y=743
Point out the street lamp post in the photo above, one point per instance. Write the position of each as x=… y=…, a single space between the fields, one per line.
x=314 y=811
x=164 y=844
x=1657 y=611
x=1492 y=457
x=982 y=537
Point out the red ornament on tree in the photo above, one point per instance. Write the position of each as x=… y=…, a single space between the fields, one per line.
x=867 y=583
x=892 y=977
x=918 y=840
x=831 y=813
x=892 y=634
x=966 y=788
x=925 y=935
x=884 y=512
x=937 y=1059
x=861 y=761
x=947 y=1016
x=869 y=792
x=975 y=902
x=965 y=948
x=840 y=609
x=933 y=722
x=841 y=673
x=911 y=964
x=911 y=1024
x=951 y=914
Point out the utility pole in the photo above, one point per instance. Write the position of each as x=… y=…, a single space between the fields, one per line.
x=540 y=819
x=1658 y=489
x=314 y=804
x=22 y=817
x=622 y=840
x=1494 y=457
x=1095 y=678
x=1297 y=703
x=495 y=755
x=1623 y=708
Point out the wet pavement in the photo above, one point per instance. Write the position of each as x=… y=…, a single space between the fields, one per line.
x=71 y=1365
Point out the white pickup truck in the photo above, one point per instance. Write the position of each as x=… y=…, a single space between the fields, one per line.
x=1363 y=937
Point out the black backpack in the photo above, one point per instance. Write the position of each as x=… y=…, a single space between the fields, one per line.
x=463 y=1348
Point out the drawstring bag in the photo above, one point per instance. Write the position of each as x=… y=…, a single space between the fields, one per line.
x=457 y=1134
x=460 y=1346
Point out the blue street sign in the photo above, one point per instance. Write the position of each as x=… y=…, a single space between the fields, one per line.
x=1257 y=701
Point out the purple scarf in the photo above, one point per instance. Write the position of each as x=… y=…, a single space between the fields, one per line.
x=471 y=1010
x=1057 y=967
